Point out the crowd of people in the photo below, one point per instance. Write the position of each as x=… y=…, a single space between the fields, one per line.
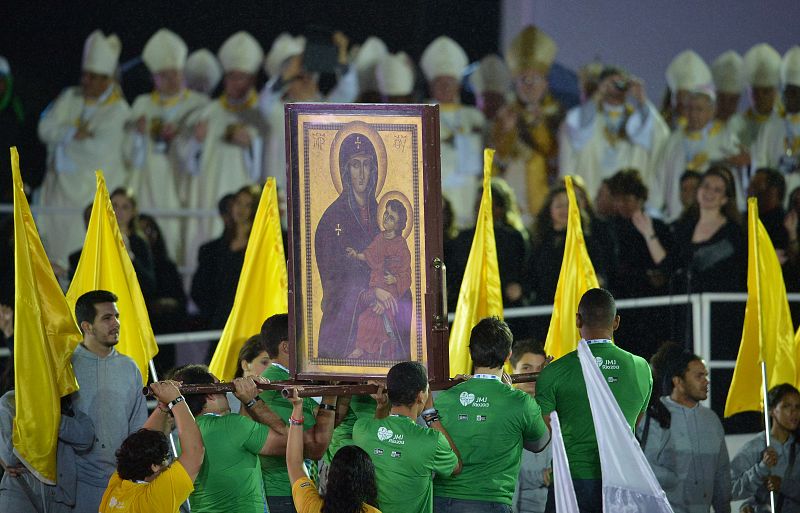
x=650 y=209
x=661 y=192
x=483 y=445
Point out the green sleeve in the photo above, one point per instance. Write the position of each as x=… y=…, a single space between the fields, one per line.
x=252 y=435
x=534 y=427
x=646 y=376
x=444 y=459
x=545 y=391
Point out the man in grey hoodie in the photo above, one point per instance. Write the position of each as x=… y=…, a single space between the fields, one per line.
x=110 y=394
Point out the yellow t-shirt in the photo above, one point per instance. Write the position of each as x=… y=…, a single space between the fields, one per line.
x=164 y=494
x=307 y=499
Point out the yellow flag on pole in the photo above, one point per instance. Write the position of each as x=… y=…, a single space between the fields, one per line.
x=106 y=265
x=263 y=288
x=480 y=295
x=46 y=335
x=576 y=277
x=768 y=333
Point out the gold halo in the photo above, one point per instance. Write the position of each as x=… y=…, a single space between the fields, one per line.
x=402 y=198
x=358 y=127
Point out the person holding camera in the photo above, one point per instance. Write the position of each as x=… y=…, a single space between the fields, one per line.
x=616 y=128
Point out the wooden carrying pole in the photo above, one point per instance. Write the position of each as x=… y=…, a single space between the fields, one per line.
x=319 y=389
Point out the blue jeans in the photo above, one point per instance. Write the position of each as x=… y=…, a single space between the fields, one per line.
x=589 y=493
x=279 y=504
x=448 y=505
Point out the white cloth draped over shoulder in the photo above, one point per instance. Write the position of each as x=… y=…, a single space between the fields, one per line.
x=71 y=162
x=629 y=484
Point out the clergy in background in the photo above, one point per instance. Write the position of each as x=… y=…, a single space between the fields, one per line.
x=696 y=145
x=83 y=130
x=728 y=76
x=395 y=76
x=762 y=65
x=222 y=149
x=202 y=72
x=617 y=128
x=491 y=84
x=156 y=119
x=525 y=131
x=778 y=142
x=460 y=127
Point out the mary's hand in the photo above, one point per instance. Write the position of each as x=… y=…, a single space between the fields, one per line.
x=386 y=299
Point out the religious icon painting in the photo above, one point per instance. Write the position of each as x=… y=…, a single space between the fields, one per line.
x=365 y=234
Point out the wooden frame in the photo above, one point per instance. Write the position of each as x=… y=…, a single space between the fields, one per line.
x=382 y=287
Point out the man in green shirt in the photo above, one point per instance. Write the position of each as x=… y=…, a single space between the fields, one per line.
x=318 y=424
x=404 y=453
x=490 y=422
x=561 y=388
x=230 y=477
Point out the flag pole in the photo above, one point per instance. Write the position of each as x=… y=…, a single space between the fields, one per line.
x=764 y=392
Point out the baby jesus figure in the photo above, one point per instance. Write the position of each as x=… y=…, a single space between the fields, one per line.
x=389 y=260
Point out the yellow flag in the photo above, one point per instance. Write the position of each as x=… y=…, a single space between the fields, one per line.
x=46 y=335
x=480 y=295
x=768 y=333
x=106 y=265
x=576 y=277
x=263 y=288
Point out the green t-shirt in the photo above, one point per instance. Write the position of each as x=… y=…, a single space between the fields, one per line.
x=561 y=387
x=361 y=406
x=230 y=478
x=404 y=455
x=488 y=421
x=273 y=468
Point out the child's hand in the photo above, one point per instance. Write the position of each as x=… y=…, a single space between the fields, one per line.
x=350 y=252
x=389 y=279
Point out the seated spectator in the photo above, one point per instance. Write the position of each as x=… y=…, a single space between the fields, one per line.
x=709 y=249
x=769 y=187
x=549 y=240
x=757 y=470
x=690 y=181
x=125 y=209
x=145 y=479
x=75 y=256
x=604 y=202
x=791 y=266
x=351 y=477
x=167 y=306
x=643 y=242
x=220 y=261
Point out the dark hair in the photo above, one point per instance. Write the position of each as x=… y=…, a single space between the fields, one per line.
x=405 y=381
x=597 y=308
x=224 y=204
x=351 y=482
x=774 y=180
x=275 y=330
x=778 y=392
x=153 y=236
x=139 y=451
x=84 y=306
x=490 y=342
x=196 y=374
x=672 y=361
x=133 y=227
x=628 y=182
x=611 y=70
x=254 y=191
x=543 y=227
x=728 y=210
x=402 y=214
x=523 y=347
x=253 y=347
x=690 y=173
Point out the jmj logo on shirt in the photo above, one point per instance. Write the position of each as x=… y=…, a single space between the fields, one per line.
x=468 y=399
x=387 y=435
